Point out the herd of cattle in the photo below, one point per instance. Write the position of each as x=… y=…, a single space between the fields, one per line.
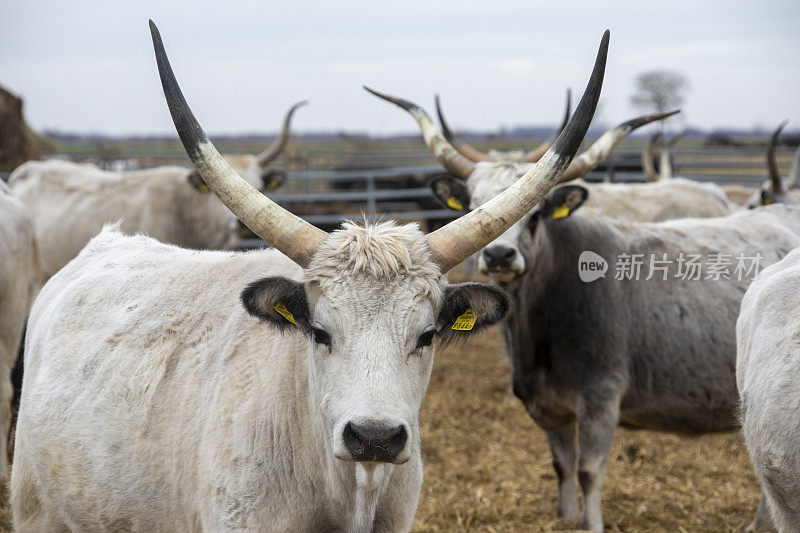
x=168 y=386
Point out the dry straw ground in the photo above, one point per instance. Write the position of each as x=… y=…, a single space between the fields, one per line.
x=487 y=465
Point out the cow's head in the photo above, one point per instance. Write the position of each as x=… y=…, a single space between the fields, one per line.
x=375 y=297
x=774 y=189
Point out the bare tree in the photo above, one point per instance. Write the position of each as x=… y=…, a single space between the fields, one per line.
x=659 y=91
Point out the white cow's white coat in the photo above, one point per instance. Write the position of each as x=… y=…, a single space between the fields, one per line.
x=72 y=202
x=768 y=378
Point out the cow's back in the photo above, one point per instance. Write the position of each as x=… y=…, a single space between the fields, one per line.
x=659 y=201
x=73 y=202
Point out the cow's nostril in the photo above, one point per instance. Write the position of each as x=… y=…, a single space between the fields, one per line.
x=510 y=253
x=374 y=443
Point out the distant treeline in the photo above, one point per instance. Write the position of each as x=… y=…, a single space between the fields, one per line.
x=731 y=137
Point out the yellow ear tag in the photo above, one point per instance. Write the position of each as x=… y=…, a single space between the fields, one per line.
x=766 y=201
x=203 y=187
x=465 y=322
x=273 y=185
x=281 y=310
x=561 y=212
x=453 y=203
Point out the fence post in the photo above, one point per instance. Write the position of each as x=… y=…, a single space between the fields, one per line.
x=371 y=206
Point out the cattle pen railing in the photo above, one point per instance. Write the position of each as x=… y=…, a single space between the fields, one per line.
x=402 y=192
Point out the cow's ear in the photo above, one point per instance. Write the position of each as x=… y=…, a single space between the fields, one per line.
x=197 y=182
x=451 y=192
x=278 y=301
x=563 y=201
x=470 y=307
x=273 y=179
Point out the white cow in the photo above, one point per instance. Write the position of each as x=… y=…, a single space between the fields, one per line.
x=20 y=278
x=72 y=203
x=768 y=379
x=176 y=390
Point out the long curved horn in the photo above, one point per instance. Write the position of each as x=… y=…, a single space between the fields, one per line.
x=666 y=160
x=455 y=163
x=772 y=165
x=464 y=236
x=794 y=173
x=537 y=153
x=647 y=157
x=290 y=234
x=463 y=148
x=599 y=150
x=277 y=146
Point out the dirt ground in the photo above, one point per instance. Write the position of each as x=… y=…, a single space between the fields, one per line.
x=488 y=467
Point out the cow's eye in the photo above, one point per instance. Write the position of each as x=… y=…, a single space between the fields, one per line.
x=426 y=339
x=321 y=337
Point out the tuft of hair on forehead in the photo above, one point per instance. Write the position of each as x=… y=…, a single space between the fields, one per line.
x=379 y=250
x=380 y=254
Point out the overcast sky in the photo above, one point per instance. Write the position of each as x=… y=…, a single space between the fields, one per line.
x=87 y=65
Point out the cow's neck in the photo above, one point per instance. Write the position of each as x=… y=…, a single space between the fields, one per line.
x=550 y=285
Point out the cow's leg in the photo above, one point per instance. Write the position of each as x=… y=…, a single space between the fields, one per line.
x=596 y=424
x=762 y=521
x=564 y=449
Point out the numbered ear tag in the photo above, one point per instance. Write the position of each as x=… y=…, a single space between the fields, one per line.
x=281 y=310
x=561 y=212
x=203 y=188
x=465 y=322
x=453 y=203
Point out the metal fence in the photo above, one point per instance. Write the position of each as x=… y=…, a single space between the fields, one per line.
x=402 y=192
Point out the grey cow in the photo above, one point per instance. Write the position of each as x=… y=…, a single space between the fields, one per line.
x=656 y=352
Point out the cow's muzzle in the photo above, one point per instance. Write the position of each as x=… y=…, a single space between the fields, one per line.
x=501 y=262
x=381 y=444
